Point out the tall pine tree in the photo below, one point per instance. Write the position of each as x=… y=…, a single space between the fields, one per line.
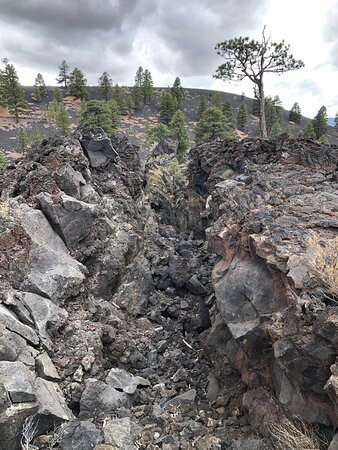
x=64 y=75
x=39 y=88
x=307 y=132
x=168 y=107
x=242 y=116
x=295 y=114
x=179 y=130
x=78 y=84
x=320 y=122
x=105 y=86
x=11 y=93
x=177 y=91
x=336 y=122
x=202 y=105
x=139 y=77
x=147 y=86
x=227 y=110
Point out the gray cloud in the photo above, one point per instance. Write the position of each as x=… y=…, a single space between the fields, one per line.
x=176 y=37
x=330 y=33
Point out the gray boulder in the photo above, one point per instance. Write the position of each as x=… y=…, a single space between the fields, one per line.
x=11 y=423
x=122 y=380
x=80 y=435
x=51 y=272
x=100 y=398
x=98 y=147
x=44 y=314
x=12 y=323
x=53 y=409
x=121 y=434
x=244 y=294
x=18 y=381
x=71 y=218
x=70 y=181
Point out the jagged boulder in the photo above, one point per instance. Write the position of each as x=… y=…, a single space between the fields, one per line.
x=51 y=272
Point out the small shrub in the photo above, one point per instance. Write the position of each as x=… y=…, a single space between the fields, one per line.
x=4 y=211
x=292 y=434
x=175 y=169
x=326 y=261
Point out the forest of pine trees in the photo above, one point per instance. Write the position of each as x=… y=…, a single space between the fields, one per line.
x=215 y=118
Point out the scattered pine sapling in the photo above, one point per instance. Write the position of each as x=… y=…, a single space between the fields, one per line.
x=22 y=139
x=179 y=130
x=307 y=132
x=62 y=118
x=36 y=138
x=202 y=105
x=155 y=133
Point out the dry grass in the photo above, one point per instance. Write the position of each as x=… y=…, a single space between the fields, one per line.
x=326 y=261
x=4 y=211
x=293 y=435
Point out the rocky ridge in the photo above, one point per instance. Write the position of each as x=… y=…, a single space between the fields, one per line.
x=273 y=210
x=111 y=337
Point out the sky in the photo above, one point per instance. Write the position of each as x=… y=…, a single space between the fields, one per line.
x=173 y=38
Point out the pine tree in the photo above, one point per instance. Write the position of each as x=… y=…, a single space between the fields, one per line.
x=154 y=134
x=168 y=107
x=147 y=86
x=63 y=74
x=307 y=132
x=255 y=107
x=242 y=116
x=36 y=138
x=115 y=116
x=57 y=95
x=202 y=105
x=22 y=138
x=130 y=103
x=137 y=96
x=323 y=139
x=96 y=113
x=248 y=58
x=78 y=84
x=295 y=114
x=288 y=131
x=320 y=122
x=216 y=100
x=62 y=118
x=52 y=110
x=119 y=96
x=177 y=91
x=275 y=130
x=11 y=93
x=105 y=86
x=271 y=114
x=39 y=88
x=212 y=125
x=336 y=122
x=178 y=127
x=139 y=77
x=227 y=110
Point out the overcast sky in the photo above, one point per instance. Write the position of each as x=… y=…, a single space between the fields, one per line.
x=173 y=38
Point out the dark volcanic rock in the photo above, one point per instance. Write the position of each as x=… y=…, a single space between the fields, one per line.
x=267 y=202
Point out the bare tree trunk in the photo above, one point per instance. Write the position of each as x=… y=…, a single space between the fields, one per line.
x=262 y=122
